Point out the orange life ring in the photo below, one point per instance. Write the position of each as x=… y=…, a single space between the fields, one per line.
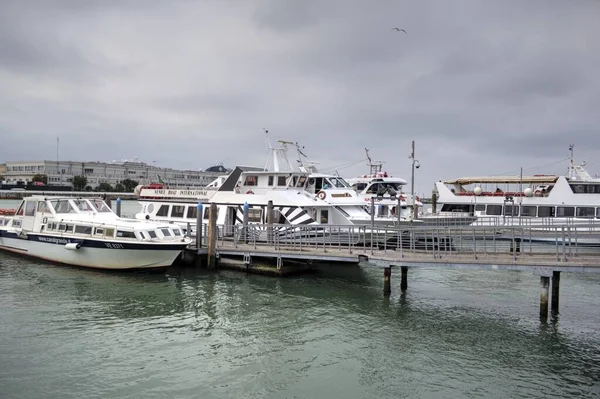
x=249 y=192
x=321 y=195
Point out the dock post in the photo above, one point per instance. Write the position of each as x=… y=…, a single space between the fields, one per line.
x=545 y=280
x=118 y=212
x=212 y=236
x=387 y=277
x=555 y=291
x=270 y=222
x=404 y=280
x=245 y=221
x=198 y=226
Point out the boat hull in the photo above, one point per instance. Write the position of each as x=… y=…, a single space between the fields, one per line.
x=93 y=254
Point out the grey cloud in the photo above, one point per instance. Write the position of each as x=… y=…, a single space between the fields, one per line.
x=481 y=87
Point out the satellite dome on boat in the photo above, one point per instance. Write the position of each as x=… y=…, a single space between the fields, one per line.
x=218 y=169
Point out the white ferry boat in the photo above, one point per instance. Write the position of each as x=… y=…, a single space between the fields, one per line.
x=280 y=183
x=550 y=200
x=85 y=232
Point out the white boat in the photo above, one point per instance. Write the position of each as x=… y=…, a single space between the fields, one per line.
x=571 y=200
x=279 y=183
x=85 y=232
x=386 y=193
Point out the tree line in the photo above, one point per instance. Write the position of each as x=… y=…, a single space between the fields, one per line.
x=80 y=183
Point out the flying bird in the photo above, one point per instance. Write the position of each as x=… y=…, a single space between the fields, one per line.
x=399 y=30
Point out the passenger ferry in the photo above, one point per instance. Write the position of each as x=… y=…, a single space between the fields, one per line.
x=280 y=183
x=86 y=232
x=573 y=199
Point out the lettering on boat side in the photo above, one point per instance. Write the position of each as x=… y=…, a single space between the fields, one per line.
x=180 y=192
x=113 y=245
x=54 y=240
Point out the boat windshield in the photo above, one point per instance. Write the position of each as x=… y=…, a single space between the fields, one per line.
x=383 y=188
x=62 y=206
x=83 y=205
x=100 y=205
x=338 y=182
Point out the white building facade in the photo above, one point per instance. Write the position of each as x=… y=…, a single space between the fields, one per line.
x=61 y=173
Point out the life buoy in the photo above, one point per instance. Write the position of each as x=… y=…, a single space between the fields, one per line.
x=249 y=192
x=321 y=195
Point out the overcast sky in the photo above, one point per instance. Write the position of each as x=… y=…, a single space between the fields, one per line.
x=483 y=87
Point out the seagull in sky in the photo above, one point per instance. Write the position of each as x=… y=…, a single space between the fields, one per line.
x=399 y=30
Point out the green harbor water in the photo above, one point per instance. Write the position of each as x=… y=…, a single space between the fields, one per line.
x=74 y=333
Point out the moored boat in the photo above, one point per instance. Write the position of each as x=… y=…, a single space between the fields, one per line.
x=85 y=232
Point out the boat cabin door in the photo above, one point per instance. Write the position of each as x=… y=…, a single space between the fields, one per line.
x=29 y=215
x=230 y=220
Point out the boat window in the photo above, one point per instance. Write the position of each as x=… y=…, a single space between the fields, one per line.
x=166 y=232
x=529 y=210
x=42 y=207
x=109 y=232
x=100 y=205
x=192 y=212
x=318 y=184
x=177 y=232
x=150 y=208
x=83 y=205
x=62 y=227
x=546 y=211
x=144 y=235
x=597 y=213
x=177 y=211
x=324 y=216
x=69 y=228
x=251 y=181
x=17 y=222
x=125 y=234
x=152 y=233
x=373 y=189
x=163 y=210
x=294 y=181
x=511 y=210
x=578 y=188
x=480 y=208
x=30 y=208
x=62 y=206
x=340 y=183
x=585 y=212
x=494 y=210
x=281 y=181
x=270 y=180
x=254 y=215
x=301 y=181
x=565 y=211
x=459 y=208
x=99 y=231
x=83 y=229
x=207 y=212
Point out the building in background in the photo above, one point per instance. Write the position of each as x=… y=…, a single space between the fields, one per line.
x=61 y=173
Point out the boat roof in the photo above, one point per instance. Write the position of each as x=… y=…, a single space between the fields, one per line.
x=464 y=181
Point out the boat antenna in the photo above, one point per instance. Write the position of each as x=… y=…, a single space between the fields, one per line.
x=267 y=141
x=571 y=162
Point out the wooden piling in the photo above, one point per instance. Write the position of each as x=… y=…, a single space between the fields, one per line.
x=404 y=278
x=555 y=291
x=387 y=277
x=212 y=236
x=545 y=281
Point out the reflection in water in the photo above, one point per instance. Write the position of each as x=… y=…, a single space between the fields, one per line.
x=193 y=333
